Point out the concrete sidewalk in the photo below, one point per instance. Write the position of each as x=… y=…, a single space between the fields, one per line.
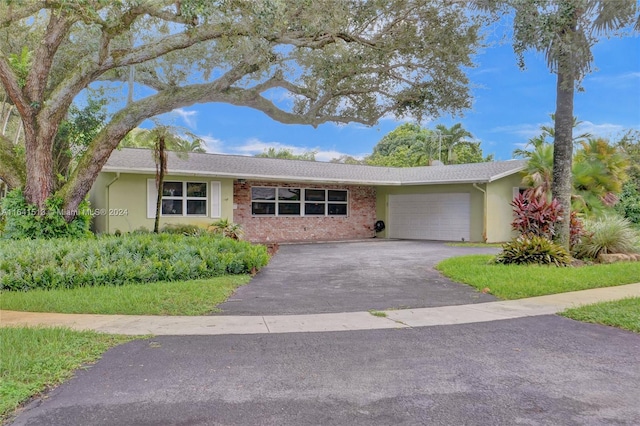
x=403 y=318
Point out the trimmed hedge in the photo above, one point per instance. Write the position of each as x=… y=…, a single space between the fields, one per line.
x=113 y=260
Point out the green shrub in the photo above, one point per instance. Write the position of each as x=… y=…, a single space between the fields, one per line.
x=608 y=234
x=226 y=229
x=23 y=221
x=528 y=249
x=112 y=260
x=629 y=204
x=183 y=229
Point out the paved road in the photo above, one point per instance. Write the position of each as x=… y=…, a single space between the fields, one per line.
x=356 y=276
x=544 y=370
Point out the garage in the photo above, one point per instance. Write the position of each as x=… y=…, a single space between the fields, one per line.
x=444 y=216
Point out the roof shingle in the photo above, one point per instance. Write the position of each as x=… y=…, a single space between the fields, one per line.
x=131 y=160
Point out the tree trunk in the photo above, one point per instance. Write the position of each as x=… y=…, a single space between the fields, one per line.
x=563 y=148
x=39 y=183
x=161 y=167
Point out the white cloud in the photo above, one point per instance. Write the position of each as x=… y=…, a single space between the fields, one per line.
x=213 y=145
x=527 y=131
x=619 y=80
x=524 y=130
x=604 y=130
x=187 y=116
x=255 y=146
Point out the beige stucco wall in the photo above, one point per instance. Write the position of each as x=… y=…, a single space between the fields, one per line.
x=477 y=203
x=499 y=210
x=123 y=206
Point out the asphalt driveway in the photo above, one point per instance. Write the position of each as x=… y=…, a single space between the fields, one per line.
x=354 y=276
x=545 y=370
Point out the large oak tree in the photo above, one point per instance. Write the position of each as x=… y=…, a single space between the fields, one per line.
x=298 y=61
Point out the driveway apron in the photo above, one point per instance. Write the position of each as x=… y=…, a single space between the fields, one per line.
x=354 y=276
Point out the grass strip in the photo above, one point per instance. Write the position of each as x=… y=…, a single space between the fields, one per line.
x=623 y=313
x=194 y=297
x=34 y=359
x=519 y=281
x=480 y=245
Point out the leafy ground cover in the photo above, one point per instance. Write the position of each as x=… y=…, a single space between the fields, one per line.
x=118 y=260
x=519 y=281
x=194 y=297
x=35 y=359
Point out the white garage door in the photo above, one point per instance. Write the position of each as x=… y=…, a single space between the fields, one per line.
x=430 y=216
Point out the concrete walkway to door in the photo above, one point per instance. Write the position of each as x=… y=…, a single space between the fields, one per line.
x=354 y=276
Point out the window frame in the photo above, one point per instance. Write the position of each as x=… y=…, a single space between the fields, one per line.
x=302 y=202
x=186 y=198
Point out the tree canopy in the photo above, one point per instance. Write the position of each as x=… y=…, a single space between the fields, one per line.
x=599 y=170
x=298 y=61
x=410 y=145
x=287 y=154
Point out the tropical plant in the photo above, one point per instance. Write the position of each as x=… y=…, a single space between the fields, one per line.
x=533 y=249
x=347 y=159
x=469 y=152
x=535 y=215
x=160 y=139
x=539 y=169
x=608 y=234
x=177 y=138
x=629 y=204
x=287 y=154
x=600 y=170
x=565 y=31
x=227 y=229
x=449 y=138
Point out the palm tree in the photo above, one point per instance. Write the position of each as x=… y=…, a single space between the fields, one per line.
x=599 y=172
x=450 y=137
x=160 y=139
x=565 y=31
x=539 y=170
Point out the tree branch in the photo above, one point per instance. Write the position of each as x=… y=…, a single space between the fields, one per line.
x=11 y=168
x=10 y=12
x=10 y=83
x=57 y=31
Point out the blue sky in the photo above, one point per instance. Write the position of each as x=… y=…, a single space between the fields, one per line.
x=509 y=107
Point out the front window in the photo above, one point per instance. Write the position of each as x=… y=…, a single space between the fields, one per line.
x=267 y=201
x=184 y=199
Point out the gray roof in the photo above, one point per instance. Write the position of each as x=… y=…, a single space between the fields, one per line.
x=129 y=160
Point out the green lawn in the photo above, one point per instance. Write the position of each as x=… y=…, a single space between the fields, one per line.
x=34 y=359
x=623 y=313
x=195 y=297
x=519 y=281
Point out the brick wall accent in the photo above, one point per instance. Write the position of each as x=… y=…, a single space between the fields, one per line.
x=357 y=224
